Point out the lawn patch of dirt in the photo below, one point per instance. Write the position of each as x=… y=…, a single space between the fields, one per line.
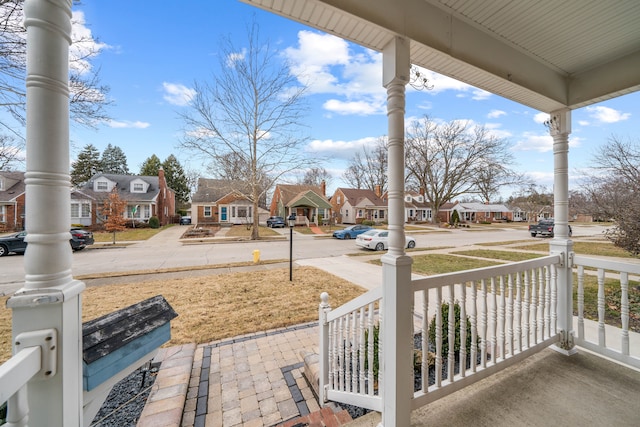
x=218 y=306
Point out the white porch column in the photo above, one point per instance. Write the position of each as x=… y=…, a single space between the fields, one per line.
x=559 y=125
x=50 y=297
x=397 y=326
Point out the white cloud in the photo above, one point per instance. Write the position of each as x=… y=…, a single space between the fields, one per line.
x=84 y=46
x=583 y=123
x=496 y=130
x=541 y=143
x=235 y=57
x=360 y=108
x=177 y=94
x=127 y=124
x=494 y=114
x=480 y=95
x=340 y=149
x=607 y=115
x=541 y=118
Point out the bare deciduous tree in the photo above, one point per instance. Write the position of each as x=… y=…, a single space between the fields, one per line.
x=615 y=190
x=446 y=159
x=88 y=97
x=316 y=175
x=368 y=168
x=533 y=200
x=249 y=114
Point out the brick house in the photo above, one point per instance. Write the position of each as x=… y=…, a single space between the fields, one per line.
x=308 y=202
x=220 y=201
x=146 y=196
x=353 y=205
x=12 y=201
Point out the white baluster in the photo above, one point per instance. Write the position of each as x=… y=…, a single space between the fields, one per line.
x=425 y=341
x=541 y=300
x=438 y=337
x=581 y=302
x=380 y=347
x=332 y=355
x=624 y=308
x=483 y=324
x=451 y=336
x=601 y=331
x=518 y=309
x=474 y=326
x=347 y=352
x=525 y=311
x=354 y=353
x=463 y=330
x=325 y=346
x=341 y=340
x=535 y=276
x=501 y=318
x=361 y=351
x=554 y=299
x=510 y=314
x=493 y=322
x=370 y=345
x=547 y=301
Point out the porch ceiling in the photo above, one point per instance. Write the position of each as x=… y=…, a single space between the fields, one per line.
x=547 y=54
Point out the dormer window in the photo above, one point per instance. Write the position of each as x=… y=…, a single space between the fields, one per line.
x=1 y=184
x=420 y=199
x=407 y=199
x=102 y=185
x=138 y=186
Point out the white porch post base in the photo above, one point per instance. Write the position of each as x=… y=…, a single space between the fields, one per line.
x=559 y=125
x=397 y=299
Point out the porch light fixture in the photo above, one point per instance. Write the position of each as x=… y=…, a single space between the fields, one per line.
x=292 y=222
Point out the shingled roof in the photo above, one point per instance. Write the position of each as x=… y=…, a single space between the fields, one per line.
x=356 y=196
x=211 y=190
x=14 y=185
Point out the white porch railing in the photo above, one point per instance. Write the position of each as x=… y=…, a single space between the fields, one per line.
x=606 y=340
x=511 y=312
x=35 y=358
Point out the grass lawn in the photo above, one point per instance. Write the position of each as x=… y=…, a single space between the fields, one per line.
x=128 y=235
x=503 y=255
x=600 y=248
x=219 y=306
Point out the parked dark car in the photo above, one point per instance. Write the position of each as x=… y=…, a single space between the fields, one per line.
x=85 y=235
x=15 y=243
x=185 y=220
x=275 y=221
x=351 y=232
x=544 y=227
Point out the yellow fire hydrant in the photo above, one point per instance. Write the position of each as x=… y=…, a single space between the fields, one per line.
x=256 y=256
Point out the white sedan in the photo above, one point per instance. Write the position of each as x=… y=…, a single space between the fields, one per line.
x=378 y=240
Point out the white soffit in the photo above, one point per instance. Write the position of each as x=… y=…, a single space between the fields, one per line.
x=547 y=54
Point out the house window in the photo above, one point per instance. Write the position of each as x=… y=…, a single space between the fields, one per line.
x=360 y=214
x=3 y=213
x=1 y=185
x=242 y=211
x=338 y=200
x=138 y=187
x=381 y=214
x=147 y=211
x=347 y=214
x=80 y=210
x=207 y=211
x=102 y=186
x=133 y=211
x=233 y=212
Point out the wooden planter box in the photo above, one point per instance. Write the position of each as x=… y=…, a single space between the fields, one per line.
x=113 y=342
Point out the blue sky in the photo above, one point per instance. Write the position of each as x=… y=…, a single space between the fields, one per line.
x=151 y=53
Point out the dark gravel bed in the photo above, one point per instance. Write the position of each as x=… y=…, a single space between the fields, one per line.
x=127 y=399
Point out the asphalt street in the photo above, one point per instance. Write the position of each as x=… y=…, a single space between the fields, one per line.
x=166 y=250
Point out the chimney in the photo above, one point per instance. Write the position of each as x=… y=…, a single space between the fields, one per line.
x=422 y=192
x=161 y=173
x=323 y=188
x=377 y=190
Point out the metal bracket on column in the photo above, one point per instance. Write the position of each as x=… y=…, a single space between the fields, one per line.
x=47 y=339
x=562 y=258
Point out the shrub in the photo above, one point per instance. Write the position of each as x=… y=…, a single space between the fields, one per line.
x=154 y=222
x=455 y=218
x=369 y=223
x=445 y=329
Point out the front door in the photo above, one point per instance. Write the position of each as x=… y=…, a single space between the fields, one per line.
x=223 y=213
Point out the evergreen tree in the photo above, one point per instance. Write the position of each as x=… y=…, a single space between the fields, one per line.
x=176 y=178
x=150 y=166
x=86 y=165
x=114 y=160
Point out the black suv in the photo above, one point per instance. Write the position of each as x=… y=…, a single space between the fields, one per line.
x=275 y=221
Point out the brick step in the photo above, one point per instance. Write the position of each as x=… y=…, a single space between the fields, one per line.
x=327 y=416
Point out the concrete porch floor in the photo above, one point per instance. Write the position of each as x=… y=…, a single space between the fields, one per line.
x=546 y=389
